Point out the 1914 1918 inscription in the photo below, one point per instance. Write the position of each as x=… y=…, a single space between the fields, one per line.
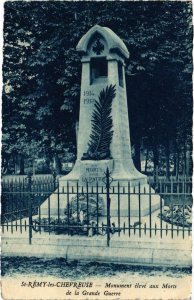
x=89 y=93
x=88 y=97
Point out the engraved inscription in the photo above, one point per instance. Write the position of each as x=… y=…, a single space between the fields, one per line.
x=88 y=97
x=92 y=179
x=88 y=93
x=93 y=175
x=88 y=101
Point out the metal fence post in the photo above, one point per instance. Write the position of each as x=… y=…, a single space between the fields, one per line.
x=29 y=178
x=108 y=205
x=56 y=192
x=54 y=179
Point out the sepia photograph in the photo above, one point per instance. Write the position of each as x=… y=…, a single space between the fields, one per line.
x=96 y=150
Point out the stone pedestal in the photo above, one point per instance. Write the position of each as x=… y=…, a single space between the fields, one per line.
x=92 y=171
x=60 y=197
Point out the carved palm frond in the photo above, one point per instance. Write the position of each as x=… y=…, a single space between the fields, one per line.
x=101 y=135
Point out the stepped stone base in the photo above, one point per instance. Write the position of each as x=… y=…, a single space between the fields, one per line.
x=134 y=205
x=122 y=181
x=59 y=197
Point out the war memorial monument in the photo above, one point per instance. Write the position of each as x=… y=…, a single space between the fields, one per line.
x=103 y=134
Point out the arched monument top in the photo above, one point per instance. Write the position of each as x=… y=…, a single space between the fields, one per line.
x=113 y=41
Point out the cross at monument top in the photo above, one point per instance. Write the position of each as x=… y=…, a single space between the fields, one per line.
x=106 y=38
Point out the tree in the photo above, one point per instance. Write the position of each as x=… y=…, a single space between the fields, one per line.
x=42 y=73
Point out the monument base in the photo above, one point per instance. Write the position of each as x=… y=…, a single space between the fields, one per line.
x=91 y=175
x=58 y=201
x=93 y=172
x=144 y=206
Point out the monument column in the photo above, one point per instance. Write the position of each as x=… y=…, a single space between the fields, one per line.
x=103 y=139
x=116 y=148
x=84 y=120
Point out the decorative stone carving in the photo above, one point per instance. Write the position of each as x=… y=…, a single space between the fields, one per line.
x=98 y=46
x=101 y=133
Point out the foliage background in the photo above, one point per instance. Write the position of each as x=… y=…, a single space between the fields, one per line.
x=42 y=72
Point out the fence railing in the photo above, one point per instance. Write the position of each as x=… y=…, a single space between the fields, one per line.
x=172 y=185
x=87 y=209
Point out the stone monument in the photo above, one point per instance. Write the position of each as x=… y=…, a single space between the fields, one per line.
x=103 y=54
x=103 y=134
